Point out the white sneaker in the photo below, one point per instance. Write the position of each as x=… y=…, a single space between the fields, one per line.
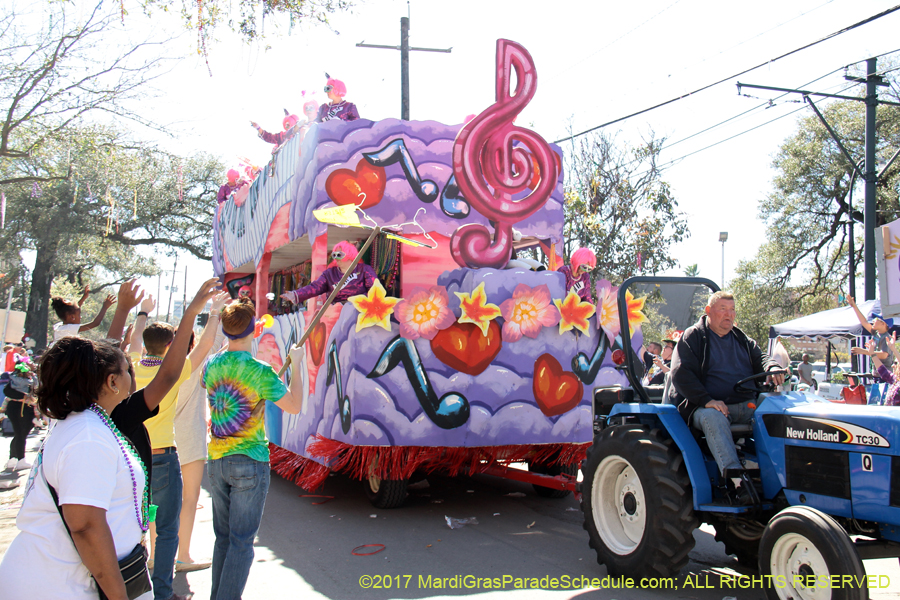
x=22 y=465
x=11 y=464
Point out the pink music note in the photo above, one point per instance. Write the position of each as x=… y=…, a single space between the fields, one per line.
x=492 y=161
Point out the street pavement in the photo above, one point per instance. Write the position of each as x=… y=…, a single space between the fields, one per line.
x=304 y=550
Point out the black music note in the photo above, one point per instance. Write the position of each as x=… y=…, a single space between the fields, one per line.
x=587 y=369
x=396 y=152
x=447 y=412
x=452 y=202
x=334 y=368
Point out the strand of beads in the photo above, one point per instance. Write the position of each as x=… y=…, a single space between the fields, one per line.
x=151 y=361
x=142 y=507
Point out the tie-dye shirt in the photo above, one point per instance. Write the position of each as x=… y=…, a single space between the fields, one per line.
x=238 y=386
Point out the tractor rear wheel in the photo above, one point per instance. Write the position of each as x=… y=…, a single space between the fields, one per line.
x=638 y=503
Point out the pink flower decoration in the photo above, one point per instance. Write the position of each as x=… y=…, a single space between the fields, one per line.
x=608 y=309
x=527 y=311
x=425 y=313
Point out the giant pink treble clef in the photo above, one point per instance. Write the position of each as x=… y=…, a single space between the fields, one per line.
x=489 y=170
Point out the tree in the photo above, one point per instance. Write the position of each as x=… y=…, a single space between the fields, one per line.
x=692 y=271
x=807 y=239
x=249 y=17
x=618 y=205
x=122 y=193
x=53 y=75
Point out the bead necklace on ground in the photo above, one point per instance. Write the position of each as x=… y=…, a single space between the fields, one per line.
x=151 y=361
x=142 y=507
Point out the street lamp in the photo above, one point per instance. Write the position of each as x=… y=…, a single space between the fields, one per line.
x=723 y=237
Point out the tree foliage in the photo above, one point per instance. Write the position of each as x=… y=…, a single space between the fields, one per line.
x=57 y=68
x=122 y=193
x=802 y=267
x=247 y=17
x=618 y=205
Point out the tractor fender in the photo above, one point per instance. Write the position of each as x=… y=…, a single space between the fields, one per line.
x=667 y=417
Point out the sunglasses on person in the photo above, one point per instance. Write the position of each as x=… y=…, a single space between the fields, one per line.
x=328 y=88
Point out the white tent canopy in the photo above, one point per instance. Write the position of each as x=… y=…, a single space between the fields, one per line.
x=836 y=323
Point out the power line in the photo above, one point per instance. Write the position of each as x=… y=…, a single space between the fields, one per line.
x=730 y=77
x=633 y=29
x=674 y=160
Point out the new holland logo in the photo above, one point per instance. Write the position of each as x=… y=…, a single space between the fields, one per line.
x=813 y=429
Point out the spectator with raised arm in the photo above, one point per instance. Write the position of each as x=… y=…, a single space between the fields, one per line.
x=69 y=314
x=238 y=387
x=97 y=460
x=878 y=328
x=889 y=376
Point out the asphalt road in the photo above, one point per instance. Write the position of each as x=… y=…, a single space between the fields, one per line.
x=305 y=550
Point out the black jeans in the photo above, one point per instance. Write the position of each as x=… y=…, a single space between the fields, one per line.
x=21 y=416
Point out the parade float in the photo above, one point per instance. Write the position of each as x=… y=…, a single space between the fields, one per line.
x=460 y=360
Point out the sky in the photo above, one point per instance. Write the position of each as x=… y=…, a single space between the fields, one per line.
x=596 y=61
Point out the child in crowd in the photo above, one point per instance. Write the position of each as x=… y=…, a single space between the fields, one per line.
x=70 y=314
x=18 y=387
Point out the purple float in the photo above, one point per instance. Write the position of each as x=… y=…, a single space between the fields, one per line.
x=458 y=359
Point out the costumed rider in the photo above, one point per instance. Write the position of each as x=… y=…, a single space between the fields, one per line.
x=290 y=124
x=235 y=182
x=578 y=273
x=338 y=108
x=358 y=282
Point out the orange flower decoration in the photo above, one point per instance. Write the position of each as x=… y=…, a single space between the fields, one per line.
x=375 y=308
x=476 y=310
x=574 y=313
x=635 y=306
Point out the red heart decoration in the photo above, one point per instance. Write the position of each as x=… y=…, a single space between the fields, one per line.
x=366 y=183
x=556 y=391
x=317 y=343
x=463 y=347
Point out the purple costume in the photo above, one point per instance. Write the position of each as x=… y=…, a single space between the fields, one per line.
x=277 y=138
x=580 y=285
x=360 y=280
x=892 y=396
x=226 y=190
x=345 y=111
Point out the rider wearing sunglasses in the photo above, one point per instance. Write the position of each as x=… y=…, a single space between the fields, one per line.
x=578 y=272
x=337 y=108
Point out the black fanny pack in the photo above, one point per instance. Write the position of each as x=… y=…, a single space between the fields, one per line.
x=133 y=567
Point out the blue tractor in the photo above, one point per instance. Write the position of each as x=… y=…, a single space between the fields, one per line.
x=822 y=472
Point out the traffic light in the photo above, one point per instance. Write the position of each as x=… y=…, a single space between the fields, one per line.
x=202 y=319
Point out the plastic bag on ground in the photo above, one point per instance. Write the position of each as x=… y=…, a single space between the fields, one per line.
x=460 y=523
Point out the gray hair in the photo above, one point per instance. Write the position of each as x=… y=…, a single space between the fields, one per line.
x=720 y=295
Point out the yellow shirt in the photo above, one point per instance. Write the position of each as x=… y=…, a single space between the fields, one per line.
x=161 y=427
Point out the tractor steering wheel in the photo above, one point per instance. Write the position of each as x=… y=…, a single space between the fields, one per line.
x=740 y=388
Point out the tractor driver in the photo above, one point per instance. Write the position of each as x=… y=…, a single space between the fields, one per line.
x=709 y=359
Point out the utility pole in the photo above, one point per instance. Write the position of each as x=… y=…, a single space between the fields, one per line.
x=8 y=307
x=404 y=49
x=872 y=81
x=171 y=290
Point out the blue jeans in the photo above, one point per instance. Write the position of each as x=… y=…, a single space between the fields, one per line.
x=238 y=486
x=717 y=429
x=166 y=485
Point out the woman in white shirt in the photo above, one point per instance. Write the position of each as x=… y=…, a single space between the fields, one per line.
x=96 y=472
